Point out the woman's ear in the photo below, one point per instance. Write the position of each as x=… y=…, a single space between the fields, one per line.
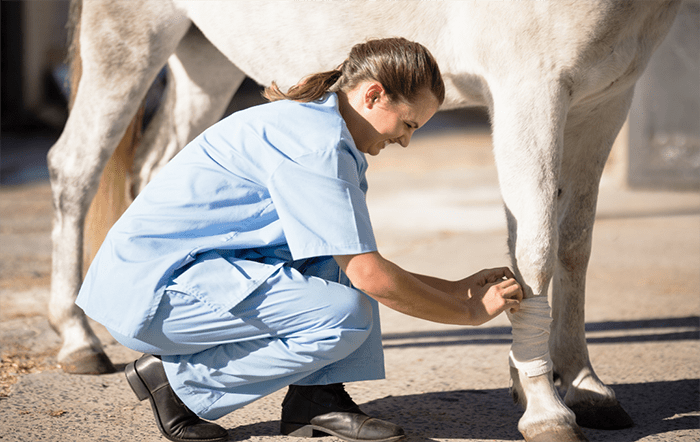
x=373 y=93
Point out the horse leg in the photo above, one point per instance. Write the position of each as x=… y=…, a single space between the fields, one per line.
x=588 y=139
x=122 y=48
x=200 y=84
x=528 y=125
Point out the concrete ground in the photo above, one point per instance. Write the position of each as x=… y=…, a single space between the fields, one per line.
x=436 y=210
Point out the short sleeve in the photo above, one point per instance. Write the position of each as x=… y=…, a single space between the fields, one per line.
x=321 y=205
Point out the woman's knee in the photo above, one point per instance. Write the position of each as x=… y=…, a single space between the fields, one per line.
x=312 y=311
x=350 y=309
x=342 y=327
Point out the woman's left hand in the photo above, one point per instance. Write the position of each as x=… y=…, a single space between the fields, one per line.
x=490 y=292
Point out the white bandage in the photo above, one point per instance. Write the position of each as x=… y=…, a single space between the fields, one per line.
x=529 y=352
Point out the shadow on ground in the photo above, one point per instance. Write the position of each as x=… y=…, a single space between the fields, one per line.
x=656 y=407
x=463 y=414
x=608 y=332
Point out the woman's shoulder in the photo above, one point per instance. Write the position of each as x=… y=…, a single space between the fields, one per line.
x=316 y=124
x=325 y=108
x=283 y=129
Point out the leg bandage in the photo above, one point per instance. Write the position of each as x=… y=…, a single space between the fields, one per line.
x=529 y=352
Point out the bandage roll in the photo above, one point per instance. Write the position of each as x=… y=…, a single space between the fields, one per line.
x=529 y=352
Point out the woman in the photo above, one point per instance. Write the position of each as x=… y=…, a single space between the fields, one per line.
x=249 y=263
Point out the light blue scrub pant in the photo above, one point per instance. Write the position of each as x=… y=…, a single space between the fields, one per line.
x=294 y=329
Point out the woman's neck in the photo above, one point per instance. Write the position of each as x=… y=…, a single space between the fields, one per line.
x=349 y=105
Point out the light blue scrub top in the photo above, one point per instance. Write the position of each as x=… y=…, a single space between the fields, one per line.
x=263 y=187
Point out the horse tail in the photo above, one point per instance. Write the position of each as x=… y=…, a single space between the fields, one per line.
x=114 y=192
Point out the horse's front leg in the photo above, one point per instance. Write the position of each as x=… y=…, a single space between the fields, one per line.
x=588 y=138
x=528 y=125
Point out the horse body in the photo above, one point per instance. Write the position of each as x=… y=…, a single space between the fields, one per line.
x=557 y=78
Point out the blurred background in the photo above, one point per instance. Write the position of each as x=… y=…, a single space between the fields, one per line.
x=659 y=148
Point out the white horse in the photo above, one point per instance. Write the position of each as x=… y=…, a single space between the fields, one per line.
x=557 y=77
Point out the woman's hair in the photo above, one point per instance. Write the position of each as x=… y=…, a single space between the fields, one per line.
x=404 y=68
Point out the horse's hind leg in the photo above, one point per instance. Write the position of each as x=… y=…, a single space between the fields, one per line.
x=588 y=139
x=201 y=82
x=122 y=48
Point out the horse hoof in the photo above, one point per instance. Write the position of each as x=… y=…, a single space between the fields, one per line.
x=558 y=435
x=88 y=362
x=602 y=417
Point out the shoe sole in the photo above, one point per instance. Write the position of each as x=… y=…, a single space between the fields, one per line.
x=142 y=393
x=310 y=430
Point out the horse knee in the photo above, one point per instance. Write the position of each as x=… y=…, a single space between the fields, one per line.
x=531 y=243
x=535 y=264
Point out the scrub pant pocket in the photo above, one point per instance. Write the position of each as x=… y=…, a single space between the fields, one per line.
x=293 y=329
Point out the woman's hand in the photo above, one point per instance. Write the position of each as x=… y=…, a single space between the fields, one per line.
x=490 y=292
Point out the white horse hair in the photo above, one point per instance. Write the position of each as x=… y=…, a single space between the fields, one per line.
x=557 y=77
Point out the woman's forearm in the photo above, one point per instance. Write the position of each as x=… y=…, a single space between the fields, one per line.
x=414 y=295
x=437 y=283
x=470 y=301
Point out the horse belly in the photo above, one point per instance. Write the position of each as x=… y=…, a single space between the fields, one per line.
x=283 y=42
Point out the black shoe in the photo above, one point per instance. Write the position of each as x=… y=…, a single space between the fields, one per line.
x=175 y=421
x=321 y=410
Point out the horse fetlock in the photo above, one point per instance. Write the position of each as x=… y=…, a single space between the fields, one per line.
x=587 y=387
x=546 y=417
x=81 y=351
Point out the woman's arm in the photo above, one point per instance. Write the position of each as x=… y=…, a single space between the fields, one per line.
x=470 y=301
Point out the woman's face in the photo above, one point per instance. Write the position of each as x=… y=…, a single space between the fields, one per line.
x=392 y=122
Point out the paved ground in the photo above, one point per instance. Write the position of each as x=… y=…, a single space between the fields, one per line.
x=436 y=210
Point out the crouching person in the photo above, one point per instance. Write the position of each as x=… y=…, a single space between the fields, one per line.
x=249 y=263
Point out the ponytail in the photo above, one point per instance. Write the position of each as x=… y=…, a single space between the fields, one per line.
x=309 y=89
x=404 y=68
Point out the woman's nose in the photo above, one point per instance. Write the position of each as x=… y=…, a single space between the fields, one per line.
x=405 y=139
